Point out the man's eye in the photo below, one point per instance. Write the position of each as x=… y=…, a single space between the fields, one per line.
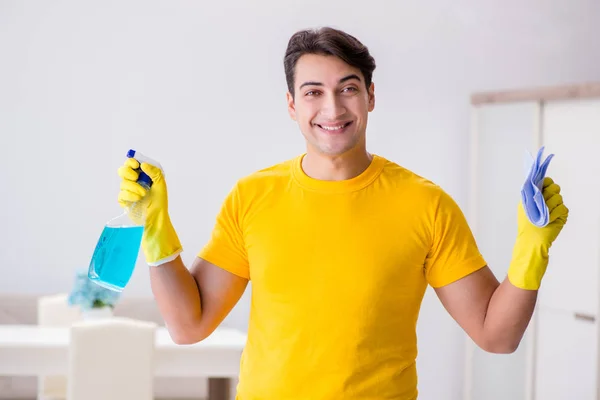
x=312 y=93
x=349 y=89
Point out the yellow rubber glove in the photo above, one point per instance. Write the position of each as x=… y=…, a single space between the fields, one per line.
x=530 y=253
x=160 y=243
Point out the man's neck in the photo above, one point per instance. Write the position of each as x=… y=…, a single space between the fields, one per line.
x=336 y=168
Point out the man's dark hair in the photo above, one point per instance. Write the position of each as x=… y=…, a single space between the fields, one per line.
x=331 y=42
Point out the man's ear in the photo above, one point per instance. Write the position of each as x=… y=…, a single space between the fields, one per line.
x=291 y=106
x=371 y=97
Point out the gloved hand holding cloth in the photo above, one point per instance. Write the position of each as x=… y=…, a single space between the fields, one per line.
x=541 y=216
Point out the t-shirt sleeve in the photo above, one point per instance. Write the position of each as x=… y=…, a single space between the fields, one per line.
x=226 y=248
x=454 y=253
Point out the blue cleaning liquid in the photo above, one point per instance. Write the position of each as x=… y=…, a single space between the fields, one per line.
x=115 y=256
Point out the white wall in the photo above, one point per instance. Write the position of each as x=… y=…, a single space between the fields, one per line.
x=200 y=86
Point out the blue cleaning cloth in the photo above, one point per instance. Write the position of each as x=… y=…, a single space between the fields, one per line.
x=531 y=193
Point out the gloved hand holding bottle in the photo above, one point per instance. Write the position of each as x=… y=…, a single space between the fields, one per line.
x=160 y=242
x=530 y=252
x=145 y=221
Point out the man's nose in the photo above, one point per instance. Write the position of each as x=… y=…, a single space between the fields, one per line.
x=333 y=107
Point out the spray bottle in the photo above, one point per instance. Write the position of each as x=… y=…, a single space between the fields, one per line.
x=118 y=246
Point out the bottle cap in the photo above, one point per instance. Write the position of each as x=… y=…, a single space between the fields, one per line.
x=143 y=178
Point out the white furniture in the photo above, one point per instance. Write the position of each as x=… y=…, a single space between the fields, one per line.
x=558 y=358
x=30 y=350
x=111 y=358
x=54 y=310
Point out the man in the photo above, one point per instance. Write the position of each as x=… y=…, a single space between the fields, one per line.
x=340 y=245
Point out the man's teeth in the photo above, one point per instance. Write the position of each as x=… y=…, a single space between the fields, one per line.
x=332 y=128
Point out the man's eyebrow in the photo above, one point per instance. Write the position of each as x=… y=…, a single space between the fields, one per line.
x=344 y=79
x=347 y=78
x=311 y=83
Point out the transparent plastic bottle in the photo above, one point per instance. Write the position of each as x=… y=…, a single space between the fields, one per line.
x=118 y=246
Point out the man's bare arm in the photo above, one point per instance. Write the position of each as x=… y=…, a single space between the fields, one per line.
x=194 y=302
x=494 y=315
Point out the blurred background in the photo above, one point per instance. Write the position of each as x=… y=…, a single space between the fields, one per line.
x=200 y=87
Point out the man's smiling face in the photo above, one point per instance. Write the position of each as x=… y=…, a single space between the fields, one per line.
x=330 y=104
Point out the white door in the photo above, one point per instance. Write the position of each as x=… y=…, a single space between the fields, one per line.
x=567 y=342
x=566 y=361
x=504 y=133
x=572 y=132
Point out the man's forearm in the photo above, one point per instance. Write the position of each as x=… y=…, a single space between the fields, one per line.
x=512 y=303
x=178 y=299
x=508 y=315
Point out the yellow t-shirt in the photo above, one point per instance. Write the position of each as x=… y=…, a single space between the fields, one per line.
x=338 y=272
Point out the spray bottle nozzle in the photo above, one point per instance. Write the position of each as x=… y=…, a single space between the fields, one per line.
x=143 y=178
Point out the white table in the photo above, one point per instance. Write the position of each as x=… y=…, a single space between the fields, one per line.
x=31 y=350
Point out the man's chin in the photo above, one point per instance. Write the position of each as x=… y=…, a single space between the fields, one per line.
x=334 y=150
